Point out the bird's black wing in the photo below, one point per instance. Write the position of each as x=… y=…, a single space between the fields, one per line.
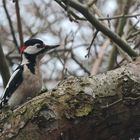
x=15 y=80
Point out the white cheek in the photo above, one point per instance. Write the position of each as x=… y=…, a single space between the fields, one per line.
x=31 y=50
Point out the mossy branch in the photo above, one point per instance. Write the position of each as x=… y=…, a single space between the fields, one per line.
x=78 y=103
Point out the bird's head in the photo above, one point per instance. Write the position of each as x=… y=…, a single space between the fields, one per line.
x=35 y=48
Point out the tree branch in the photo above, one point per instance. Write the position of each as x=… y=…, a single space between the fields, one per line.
x=19 y=22
x=4 y=70
x=100 y=27
x=120 y=31
x=10 y=24
x=80 y=108
x=119 y=16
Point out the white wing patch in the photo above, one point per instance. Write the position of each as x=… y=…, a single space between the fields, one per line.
x=11 y=78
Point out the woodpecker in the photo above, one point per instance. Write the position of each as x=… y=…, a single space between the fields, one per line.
x=26 y=81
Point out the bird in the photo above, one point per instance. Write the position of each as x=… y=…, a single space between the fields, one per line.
x=26 y=81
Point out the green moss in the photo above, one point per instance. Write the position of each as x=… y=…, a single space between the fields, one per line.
x=79 y=105
x=83 y=111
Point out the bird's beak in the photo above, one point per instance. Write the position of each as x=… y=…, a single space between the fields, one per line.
x=49 y=47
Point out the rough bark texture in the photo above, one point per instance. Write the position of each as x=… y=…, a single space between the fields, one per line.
x=4 y=69
x=100 y=107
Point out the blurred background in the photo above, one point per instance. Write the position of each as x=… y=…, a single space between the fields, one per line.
x=83 y=50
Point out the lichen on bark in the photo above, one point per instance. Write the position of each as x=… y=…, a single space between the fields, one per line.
x=80 y=106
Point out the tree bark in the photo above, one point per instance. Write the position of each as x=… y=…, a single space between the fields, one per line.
x=99 y=107
x=4 y=69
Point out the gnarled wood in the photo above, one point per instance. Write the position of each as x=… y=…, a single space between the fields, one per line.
x=100 y=107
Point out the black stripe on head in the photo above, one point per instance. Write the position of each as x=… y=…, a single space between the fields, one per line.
x=32 y=42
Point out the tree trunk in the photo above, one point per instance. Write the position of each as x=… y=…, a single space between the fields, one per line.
x=102 y=107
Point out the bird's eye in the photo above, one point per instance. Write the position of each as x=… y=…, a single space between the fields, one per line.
x=39 y=46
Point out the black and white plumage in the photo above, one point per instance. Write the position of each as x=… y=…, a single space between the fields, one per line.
x=26 y=81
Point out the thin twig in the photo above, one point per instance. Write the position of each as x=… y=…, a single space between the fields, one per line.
x=89 y=48
x=120 y=31
x=19 y=22
x=98 y=61
x=109 y=24
x=10 y=24
x=71 y=12
x=134 y=34
x=112 y=104
x=80 y=64
x=119 y=16
x=91 y=2
x=99 y=26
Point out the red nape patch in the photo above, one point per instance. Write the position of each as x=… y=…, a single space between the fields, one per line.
x=22 y=48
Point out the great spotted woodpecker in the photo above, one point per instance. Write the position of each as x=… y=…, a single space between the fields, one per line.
x=26 y=81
